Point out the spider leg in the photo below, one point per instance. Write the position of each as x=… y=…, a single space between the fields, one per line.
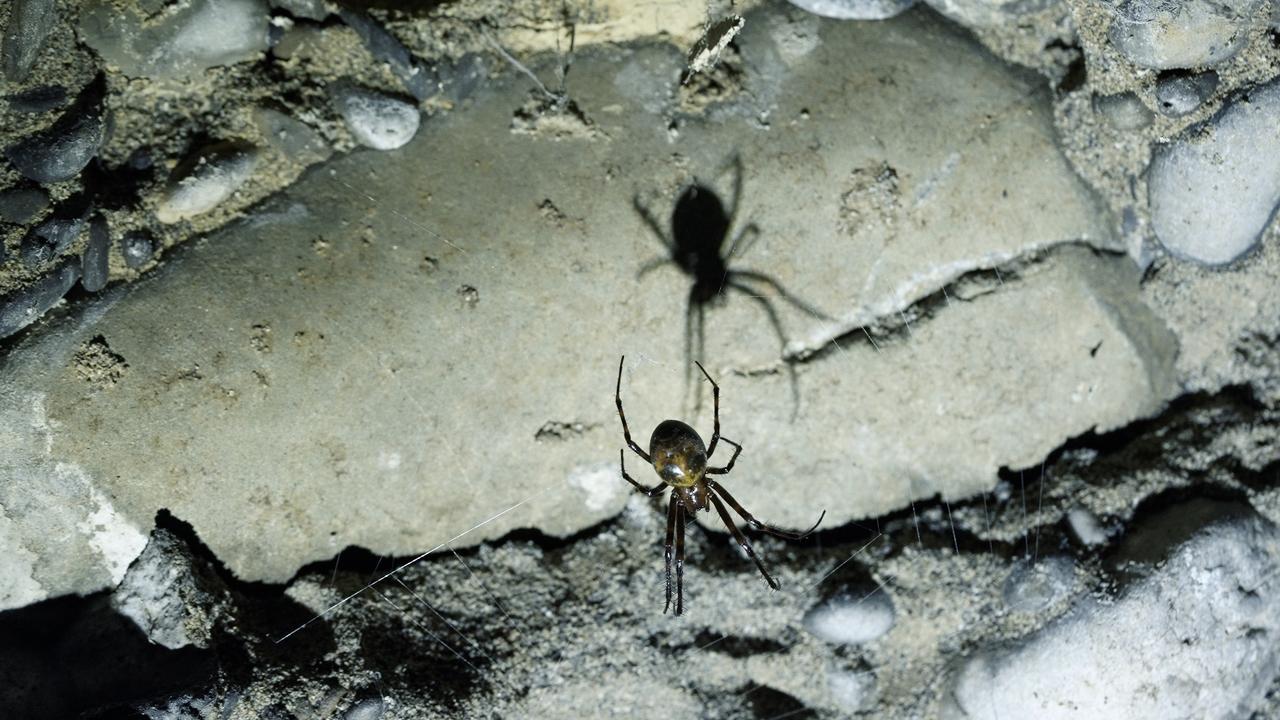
x=737 y=450
x=772 y=314
x=653 y=224
x=679 y=557
x=626 y=432
x=671 y=530
x=715 y=398
x=742 y=541
x=762 y=527
x=650 y=492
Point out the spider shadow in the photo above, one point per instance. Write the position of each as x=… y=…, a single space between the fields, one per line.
x=696 y=244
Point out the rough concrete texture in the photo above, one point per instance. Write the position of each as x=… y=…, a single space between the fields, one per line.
x=323 y=396
x=1013 y=426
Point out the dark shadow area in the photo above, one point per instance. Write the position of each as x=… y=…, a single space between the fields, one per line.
x=75 y=656
x=701 y=227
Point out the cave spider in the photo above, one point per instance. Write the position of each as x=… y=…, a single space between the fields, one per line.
x=678 y=455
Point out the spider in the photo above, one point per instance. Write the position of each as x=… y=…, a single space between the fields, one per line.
x=699 y=228
x=677 y=454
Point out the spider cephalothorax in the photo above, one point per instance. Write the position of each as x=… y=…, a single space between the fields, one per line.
x=678 y=455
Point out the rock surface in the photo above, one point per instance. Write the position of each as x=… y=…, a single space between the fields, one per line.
x=362 y=347
x=29 y=24
x=1197 y=638
x=183 y=43
x=1214 y=188
x=206 y=180
x=1182 y=33
x=855 y=9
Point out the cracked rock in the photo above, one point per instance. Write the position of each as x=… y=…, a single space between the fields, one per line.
x=169 y=594
x=1196 y=638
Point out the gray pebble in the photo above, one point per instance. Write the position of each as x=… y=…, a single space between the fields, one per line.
x=137 y=248
x=25 y=306
x=38 y=99
x=181 y=41
x=94 y=262
x=414 y=76
x=459 y=79
x=1214 y=189
x=29 y=24
x=60 y=152
x=1171 y=34
x=1124 y=111
x=1033 y=587
x=202 y=182
x=306 y=9
x=855 y=9
x=367 y=709
x=22 y=205
x=987 y=13
x=379 y=121
x=293 y=138
x=50 y=239
x=1178 y=94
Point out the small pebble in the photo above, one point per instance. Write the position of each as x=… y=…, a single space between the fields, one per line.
x=306 y=9
x=293 y=138
x=94 y=263
x=987 y=13
x=50 y=239
x=416 y=78
x=1032 y=587
x=181 y=41
x=60 y=152
x=25 y=306
x=851 y=618
x=29 y=24
x=38 y=99
x=1214 y=189
x=22 y=205
x=1178 y=94
x=850 y=690
x=1171 y=34
x=378 y=121
x=199 y=185
x=367 y=709
x=1085 y=526
x=1123 y=111
x=137 y=248
x=855 y=9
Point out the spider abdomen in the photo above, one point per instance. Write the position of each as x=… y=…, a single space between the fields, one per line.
x=679 y=456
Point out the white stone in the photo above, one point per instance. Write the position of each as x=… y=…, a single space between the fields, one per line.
x=379 y=121
x=1198 y=638
x=1214 y=189
x=851 y=619
x=855 y=9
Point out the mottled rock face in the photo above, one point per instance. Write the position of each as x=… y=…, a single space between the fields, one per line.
x=179 y=44
x=1194 y=638
x=1182 y=34
x=855 y=9
x=305 y=358
x=1215 y=187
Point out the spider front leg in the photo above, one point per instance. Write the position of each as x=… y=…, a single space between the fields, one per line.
x=626 y=432
x=679 y=557
x=649 y=492
x=672 y=511
x=737 y=450
x=718 y=489
x=715 y=399
x=742 y=540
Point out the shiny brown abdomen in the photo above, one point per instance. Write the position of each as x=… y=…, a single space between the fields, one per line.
x=679 y=457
